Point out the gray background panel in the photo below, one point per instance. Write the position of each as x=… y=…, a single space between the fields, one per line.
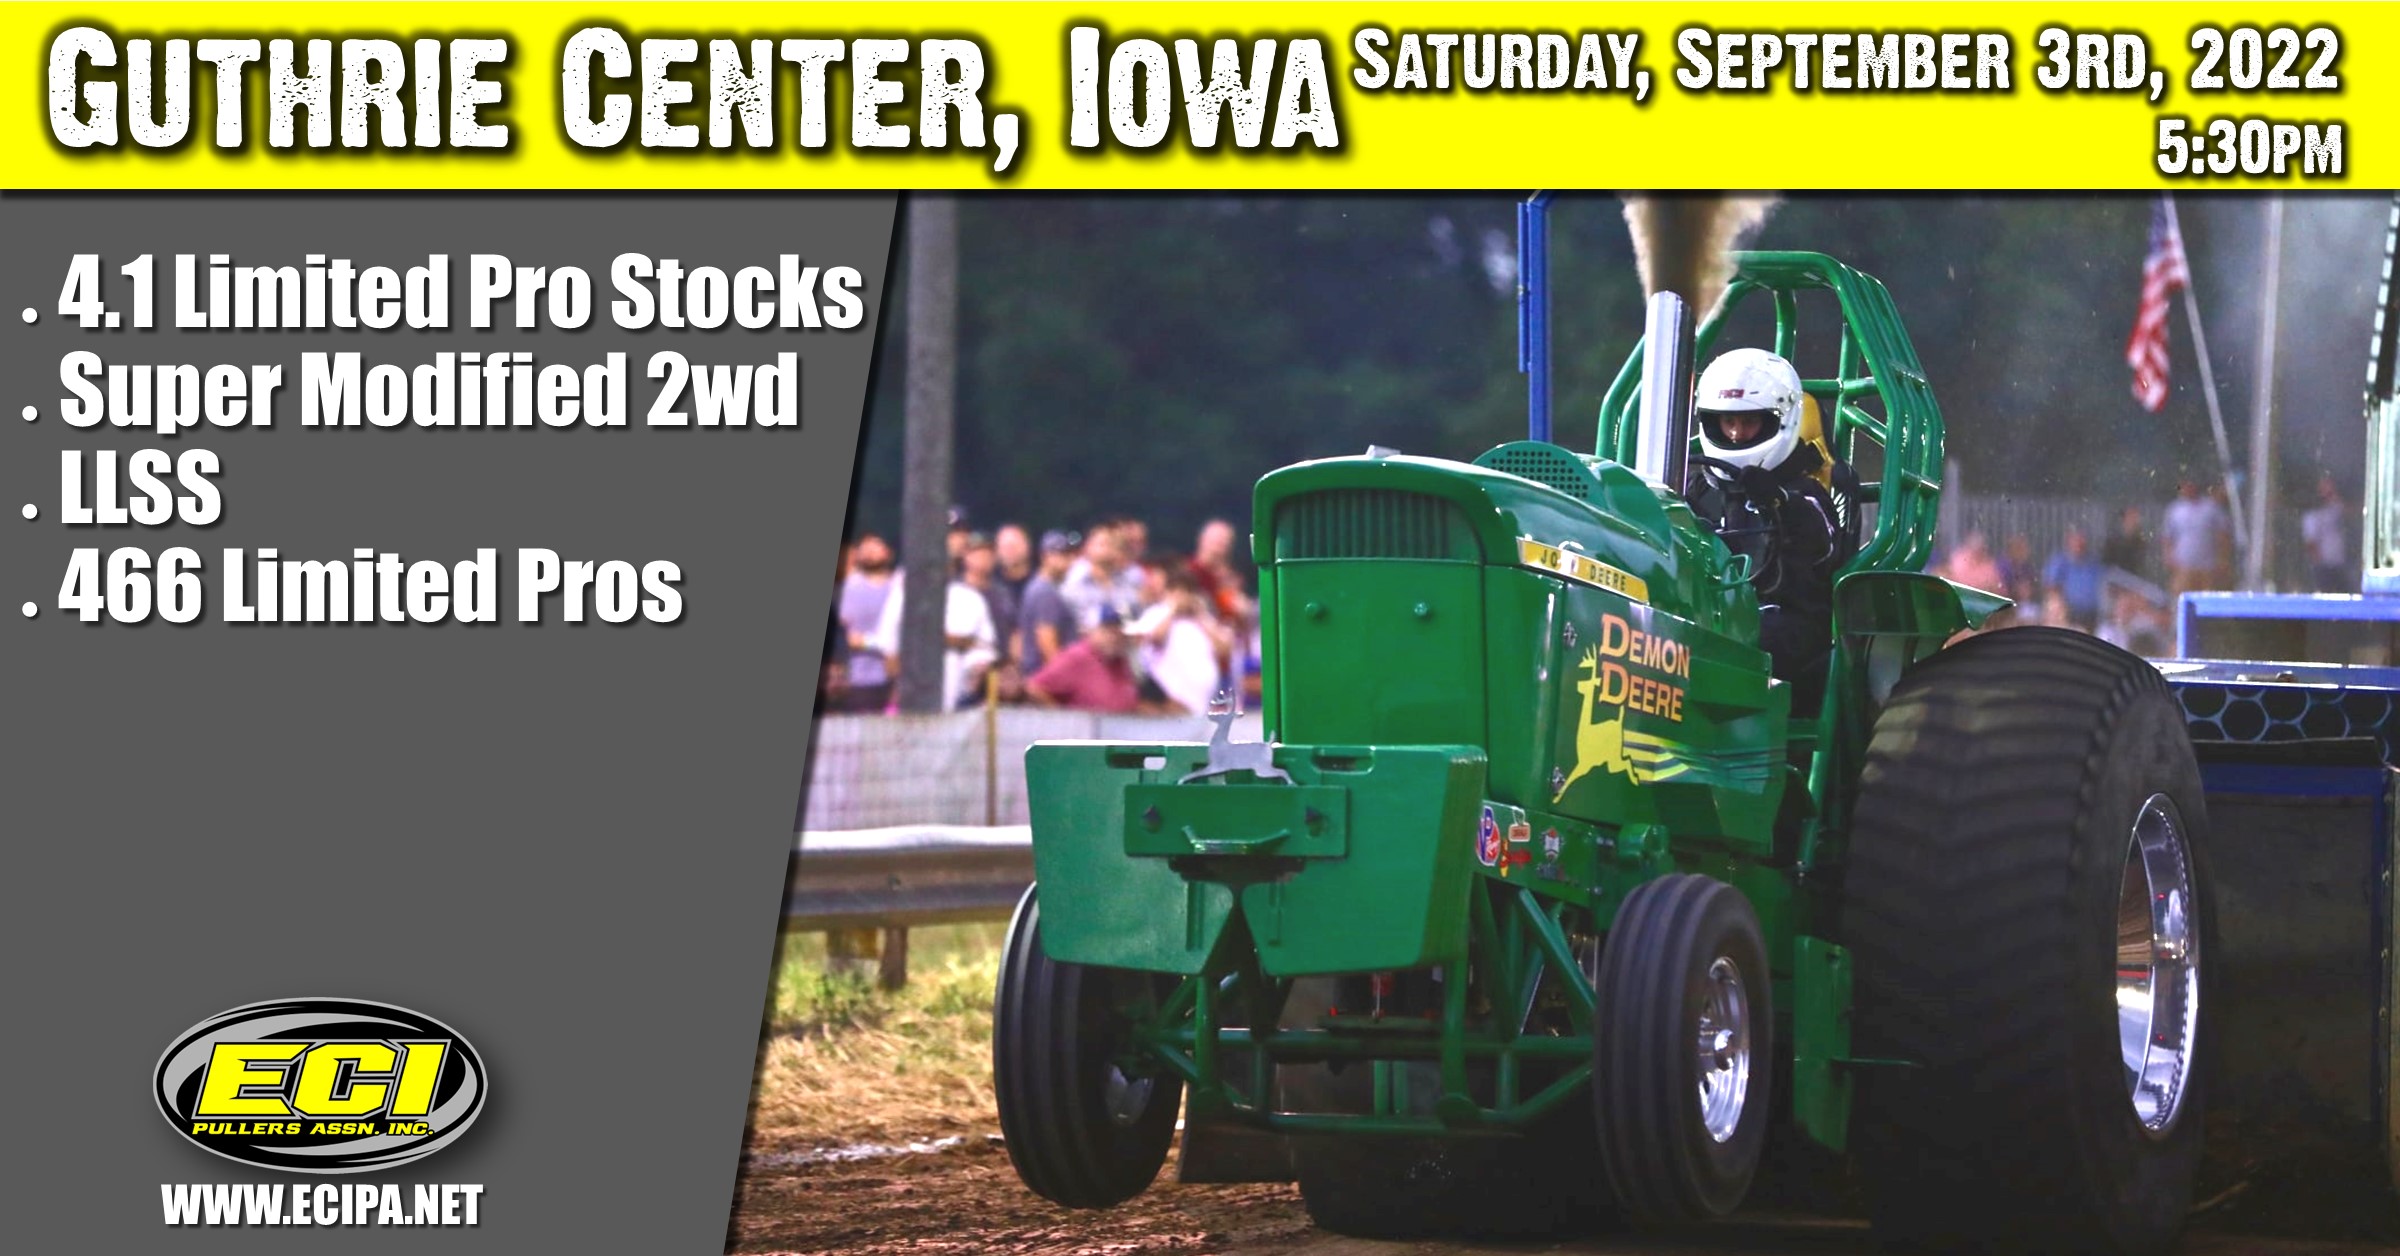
x=568 y=842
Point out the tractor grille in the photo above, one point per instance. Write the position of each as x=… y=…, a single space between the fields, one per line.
x=1373 y=523
x=1546 y=464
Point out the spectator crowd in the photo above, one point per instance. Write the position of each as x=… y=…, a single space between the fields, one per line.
x=1098 y=621
x=1091 y=621
x=2125 y=590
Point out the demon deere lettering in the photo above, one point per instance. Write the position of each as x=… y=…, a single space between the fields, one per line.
x=1628 y=670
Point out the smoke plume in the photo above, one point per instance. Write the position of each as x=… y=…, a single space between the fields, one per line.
x=1682 y=241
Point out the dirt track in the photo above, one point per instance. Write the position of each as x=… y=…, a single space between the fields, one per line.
x=966 y=1199
x=919 y=1074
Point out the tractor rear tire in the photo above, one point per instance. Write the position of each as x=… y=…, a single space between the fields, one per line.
x=1683 y=1050
x=2027 y=905
x=1081 y=1130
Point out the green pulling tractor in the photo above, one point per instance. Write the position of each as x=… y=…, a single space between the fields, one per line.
x=1542 y=899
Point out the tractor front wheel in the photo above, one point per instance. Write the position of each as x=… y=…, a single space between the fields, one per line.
x=1087 y=1126
x=2028 y=909
x=1684 y=1050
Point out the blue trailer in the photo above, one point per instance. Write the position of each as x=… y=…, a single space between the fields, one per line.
x=2299 y=761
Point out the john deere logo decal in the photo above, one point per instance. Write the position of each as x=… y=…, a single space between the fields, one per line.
x=1633 y=680
x=321 y=1085
x=1581 y=568
x=1629 y=670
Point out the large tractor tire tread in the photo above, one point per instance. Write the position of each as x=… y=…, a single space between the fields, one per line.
x=1663 y=1164
x=1053 y=1041
x=1985 y=858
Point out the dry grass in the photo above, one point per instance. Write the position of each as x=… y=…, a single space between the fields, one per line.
x=845 y=1062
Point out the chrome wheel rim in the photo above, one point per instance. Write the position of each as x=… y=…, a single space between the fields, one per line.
x=1722 y=1049
x=2158 y=966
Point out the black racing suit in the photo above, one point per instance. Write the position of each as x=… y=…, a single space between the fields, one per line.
x=1794 y=536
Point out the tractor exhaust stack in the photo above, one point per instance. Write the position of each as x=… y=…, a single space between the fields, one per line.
x=1665 y=439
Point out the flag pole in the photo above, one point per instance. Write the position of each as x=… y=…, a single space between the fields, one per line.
x=2208 y=392
x=2260 y=555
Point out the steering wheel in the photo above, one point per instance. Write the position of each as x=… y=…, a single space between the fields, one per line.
x=1730 y=471
x=1764 y=560
x=1733 y=474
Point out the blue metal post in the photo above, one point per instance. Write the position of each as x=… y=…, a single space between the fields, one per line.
x=1533 y=310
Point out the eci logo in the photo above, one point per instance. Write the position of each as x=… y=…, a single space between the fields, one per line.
x=321 y=1085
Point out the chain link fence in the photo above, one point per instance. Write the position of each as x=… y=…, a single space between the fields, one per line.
x=967 y=767
x=2042 y=521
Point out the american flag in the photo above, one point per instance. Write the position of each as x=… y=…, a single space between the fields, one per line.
x=2163 y=273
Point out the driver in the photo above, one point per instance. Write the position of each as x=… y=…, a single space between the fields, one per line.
x=1757 y=486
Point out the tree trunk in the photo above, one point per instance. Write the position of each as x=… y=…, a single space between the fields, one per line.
x=930 y=412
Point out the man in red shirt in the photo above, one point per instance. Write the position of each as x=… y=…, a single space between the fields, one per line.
x=1094 y=674
x=1212 y=566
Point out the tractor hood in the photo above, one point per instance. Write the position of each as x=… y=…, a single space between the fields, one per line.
x=1528 y=503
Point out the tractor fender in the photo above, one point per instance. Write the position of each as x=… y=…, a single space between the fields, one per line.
x=1885 y=621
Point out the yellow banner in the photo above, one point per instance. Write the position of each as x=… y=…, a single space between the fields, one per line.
x=1250 y=96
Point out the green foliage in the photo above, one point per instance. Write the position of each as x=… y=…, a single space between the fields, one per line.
x=1155 y=355
x=952 y=970
x=845 y=1062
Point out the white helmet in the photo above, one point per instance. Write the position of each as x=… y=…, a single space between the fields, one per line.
x=1749 y=382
